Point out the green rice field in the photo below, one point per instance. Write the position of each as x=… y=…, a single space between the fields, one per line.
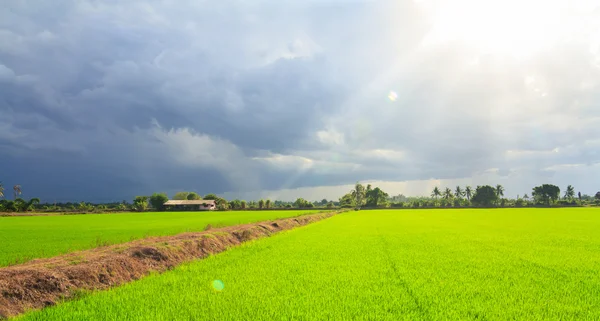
x=24 y=238
x=501 y=264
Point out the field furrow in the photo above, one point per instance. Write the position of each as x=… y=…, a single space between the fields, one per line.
x=381 y=265
x=26 y=238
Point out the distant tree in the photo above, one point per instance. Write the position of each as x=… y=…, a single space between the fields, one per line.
x=526 y=197
x=348 y=201
x=235 y=204
x=459 y=192
x=1 y=190
x=436 y=193
x=140 y=203
x=597 y=196
x=570 y=192
x=376 y=197
x=20 y=205
x=121 y=207
x=323 y=202
x=546 y=193
x=268 y=204
x=30 y=206
x=9 y=206
x=17 y=191
x=499 y=191
x=243 y=204
x=485 y=196
x=468 y=193
x=181 y=196
x=359 y=193
x=309 y=205
x=448 y=194
x=222 y=204
x=157 y=200
x=301 y=203
x=261 y=204
x=519 y=202
x=330 y=205
x=579 y=196
x=193 y=196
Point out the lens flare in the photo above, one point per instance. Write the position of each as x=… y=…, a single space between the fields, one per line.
x=392 y=96
x=218 y=285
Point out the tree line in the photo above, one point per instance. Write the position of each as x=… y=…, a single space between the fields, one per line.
x=359 y=197
x=493 y=196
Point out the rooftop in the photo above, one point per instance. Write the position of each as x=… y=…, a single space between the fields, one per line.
x=190 y=202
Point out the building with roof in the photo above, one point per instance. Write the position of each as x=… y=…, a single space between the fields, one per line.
x=190 y=205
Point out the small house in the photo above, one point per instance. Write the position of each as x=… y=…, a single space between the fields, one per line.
x=190 y=205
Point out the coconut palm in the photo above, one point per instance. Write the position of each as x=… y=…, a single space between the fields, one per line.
x=459 y=192
x=468 y=192
x=570 y=193
x=499 y=190
x=436 y=193
x=17 y=191
x=448 y=193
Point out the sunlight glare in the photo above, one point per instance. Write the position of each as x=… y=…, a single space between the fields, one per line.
x=517 y=28
x=392 y=96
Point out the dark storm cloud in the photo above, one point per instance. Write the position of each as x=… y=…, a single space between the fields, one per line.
x=106 y=100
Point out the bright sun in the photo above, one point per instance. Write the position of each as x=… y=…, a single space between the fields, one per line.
x=519 y=28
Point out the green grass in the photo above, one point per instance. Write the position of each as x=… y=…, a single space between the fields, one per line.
x=513 y=264
x=27 y=237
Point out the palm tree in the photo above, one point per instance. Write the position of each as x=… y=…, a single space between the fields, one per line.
x=459 y=192
x=1 y=190
x=448 y=193
x=436 y=193
x=468 y=193
x=261 y=204
x=570 y=193
x=268 y=203
x=499 y=190
x=17 y=191
x=525 y=197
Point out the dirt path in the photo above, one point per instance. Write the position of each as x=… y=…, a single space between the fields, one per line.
x=44 y=282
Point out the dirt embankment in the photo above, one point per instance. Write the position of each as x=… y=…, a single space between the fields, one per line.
x=45 y=282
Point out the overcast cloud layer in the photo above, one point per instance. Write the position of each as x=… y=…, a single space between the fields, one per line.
x=104 y=100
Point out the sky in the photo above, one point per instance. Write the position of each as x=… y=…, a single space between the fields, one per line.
x=105 y=100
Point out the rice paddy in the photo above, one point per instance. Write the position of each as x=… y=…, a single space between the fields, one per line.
x=501 y=264
x=28 y=237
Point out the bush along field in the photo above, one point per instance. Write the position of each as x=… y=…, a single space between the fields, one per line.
x=499 y=264
x=26 y=238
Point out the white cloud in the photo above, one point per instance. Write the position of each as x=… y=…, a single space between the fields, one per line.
x=330 y=137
